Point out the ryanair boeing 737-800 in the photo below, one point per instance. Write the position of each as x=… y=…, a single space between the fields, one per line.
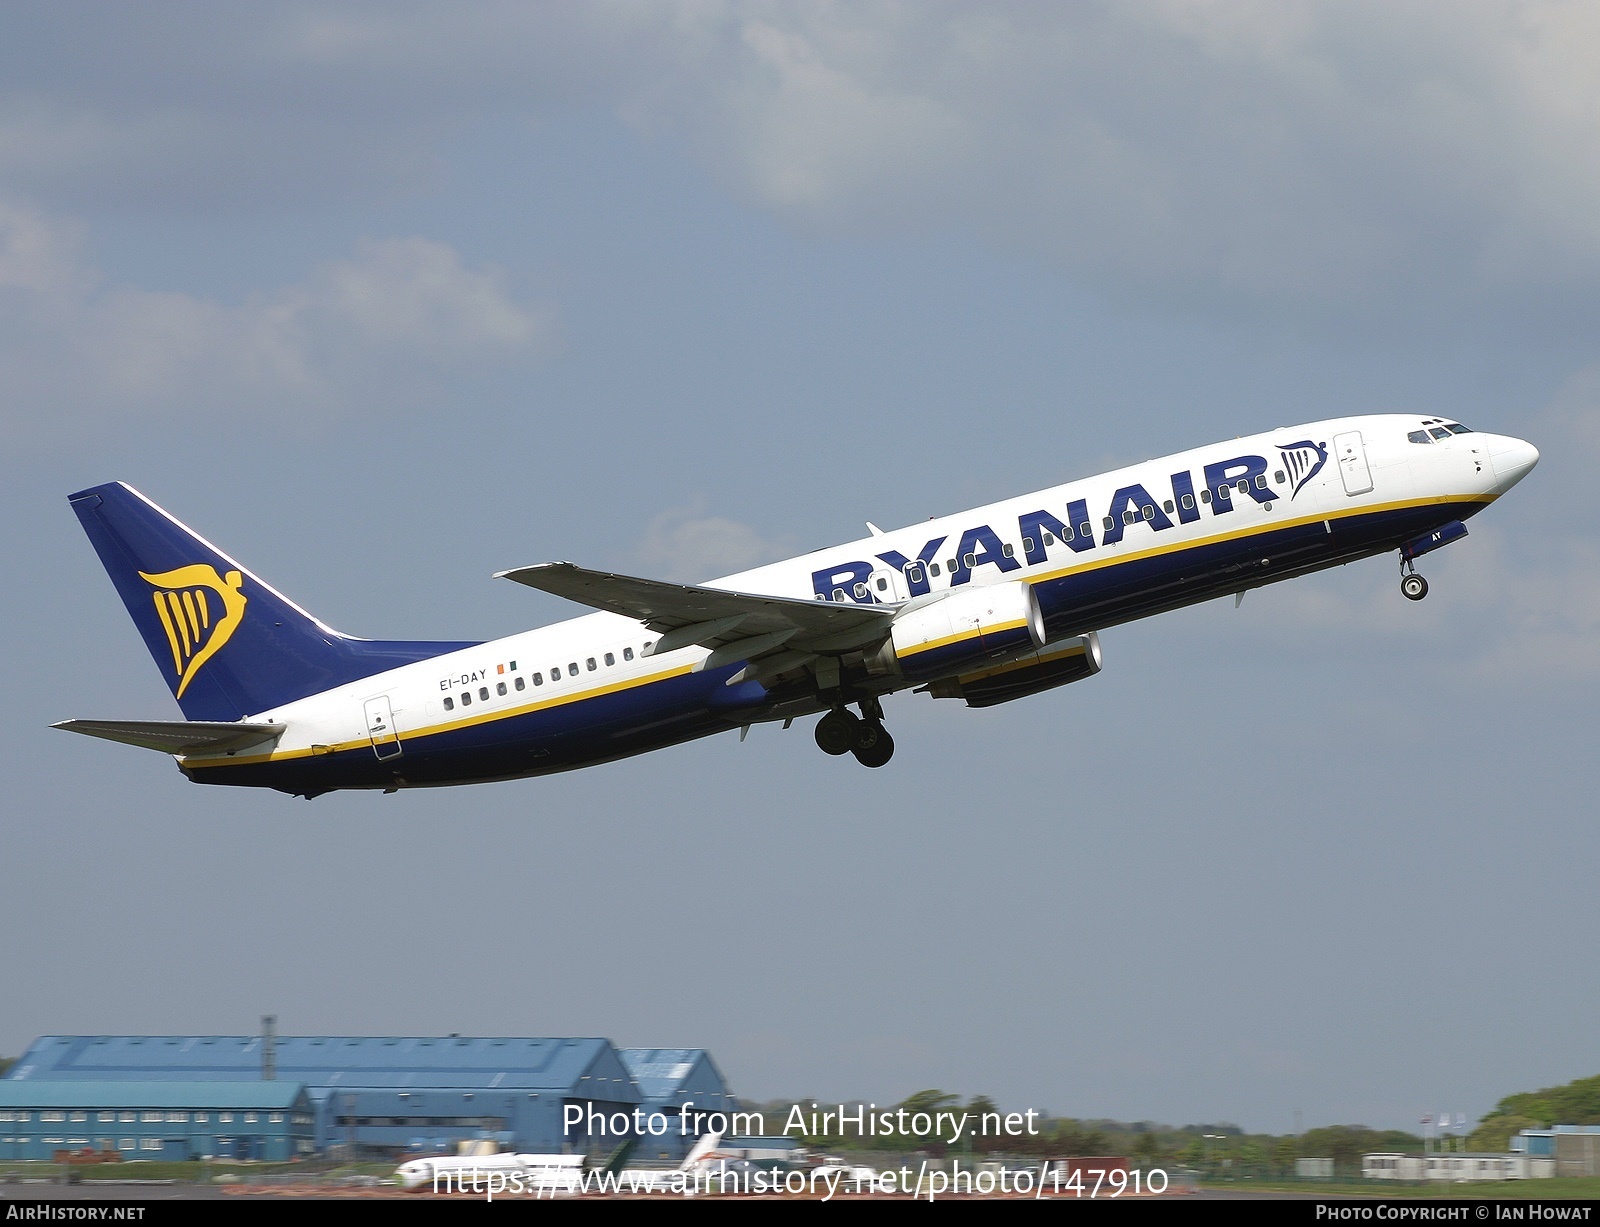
x=986 y=606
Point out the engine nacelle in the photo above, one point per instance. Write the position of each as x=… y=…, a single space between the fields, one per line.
x=966 y=629
x=1070 y=660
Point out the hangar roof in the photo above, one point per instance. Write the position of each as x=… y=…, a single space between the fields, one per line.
x=668 y=1074
x=587 y=1067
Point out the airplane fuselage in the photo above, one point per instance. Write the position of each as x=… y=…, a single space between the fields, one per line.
x=1090 y=554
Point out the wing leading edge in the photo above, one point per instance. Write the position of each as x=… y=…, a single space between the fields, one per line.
x=735 y=625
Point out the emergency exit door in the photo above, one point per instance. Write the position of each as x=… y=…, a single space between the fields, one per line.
x=380 y=727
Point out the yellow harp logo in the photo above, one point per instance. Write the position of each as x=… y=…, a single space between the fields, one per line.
x=199 y=610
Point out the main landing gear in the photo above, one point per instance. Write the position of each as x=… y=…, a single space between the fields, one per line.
x=841 y=731
x=1412 y=586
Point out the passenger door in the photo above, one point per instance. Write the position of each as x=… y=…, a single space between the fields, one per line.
x=1352 y=457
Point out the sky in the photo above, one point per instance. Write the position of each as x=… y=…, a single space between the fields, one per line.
x=385 y=298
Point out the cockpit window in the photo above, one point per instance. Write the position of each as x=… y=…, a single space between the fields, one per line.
x=1438 y=432
x=1456 y=428
x=1419 y=436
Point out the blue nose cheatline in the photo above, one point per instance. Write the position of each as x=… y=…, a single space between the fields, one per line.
x=987 y=606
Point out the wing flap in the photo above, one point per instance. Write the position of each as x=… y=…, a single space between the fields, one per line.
x=180 y=737
x=714 y=617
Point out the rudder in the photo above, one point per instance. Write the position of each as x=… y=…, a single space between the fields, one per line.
x=228 y=644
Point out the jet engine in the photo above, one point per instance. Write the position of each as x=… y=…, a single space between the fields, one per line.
x=966 y=629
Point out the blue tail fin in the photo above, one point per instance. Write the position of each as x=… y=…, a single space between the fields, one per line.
x=229 y=645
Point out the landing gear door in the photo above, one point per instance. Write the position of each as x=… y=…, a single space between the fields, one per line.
x=380 y=727
x=887 y=585
x=1352 y=462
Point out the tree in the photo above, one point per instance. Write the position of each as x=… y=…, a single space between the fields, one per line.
x=1285 y=1153
x=1576 y=1103
x=1147 y=1149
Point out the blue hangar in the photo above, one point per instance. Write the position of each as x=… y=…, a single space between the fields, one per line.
x=391 y=1094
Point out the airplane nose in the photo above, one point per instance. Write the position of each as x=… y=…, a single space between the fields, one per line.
x=1513 y=460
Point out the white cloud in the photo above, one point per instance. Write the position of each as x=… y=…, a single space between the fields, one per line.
x=1349 y=153
x=1313 y=149
x=376 y=326
x=686 y=545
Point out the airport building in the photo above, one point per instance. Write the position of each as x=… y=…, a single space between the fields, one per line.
x=1572 y=1150
x=156 y=1120
x=393 y=1094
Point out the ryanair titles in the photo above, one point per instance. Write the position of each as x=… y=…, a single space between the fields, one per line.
x=980 y=546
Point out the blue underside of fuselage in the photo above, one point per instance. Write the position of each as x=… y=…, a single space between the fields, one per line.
x=681 y=708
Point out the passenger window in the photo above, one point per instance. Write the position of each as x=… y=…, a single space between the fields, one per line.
x=861 y=592
x=1129 y=516
x=466 y=698
x=913 y=574
x=520 y=684
x=1188 y=501
x=590 y=663
x=1110 y=524
x=483 y=693
x=883 y=584
x=555 y=674
x=971 y=561
x=1027 y=543
x=499 y=687
x=1066 y=533
x=1261 y=481
x=538 y=679
x=1149 y=512
x=627 y=653
x=1438 y=432
x=1205 y=495
x=1008 y=549
x=1167 y=506
x=933 y=569
x=449 y=703
x=1222 y=493
x=1049 y=540
x=1242 y=485
x=1085 y=530
x=1278 y=477
x=610 y=658
x=839 y=594
x=572 y=669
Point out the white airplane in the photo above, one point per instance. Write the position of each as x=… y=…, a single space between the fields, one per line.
x=546 y=1173
x=987 y=606
x=457 y=1173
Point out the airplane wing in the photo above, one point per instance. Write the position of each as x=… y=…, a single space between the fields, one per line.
x=177 y=736
x=684 y=614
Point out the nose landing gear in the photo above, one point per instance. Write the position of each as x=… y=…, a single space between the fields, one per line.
x=841 y=731
x=1412 y=586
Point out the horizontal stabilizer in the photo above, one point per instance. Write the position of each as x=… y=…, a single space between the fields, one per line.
x=713 y=616
x=177 y=736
